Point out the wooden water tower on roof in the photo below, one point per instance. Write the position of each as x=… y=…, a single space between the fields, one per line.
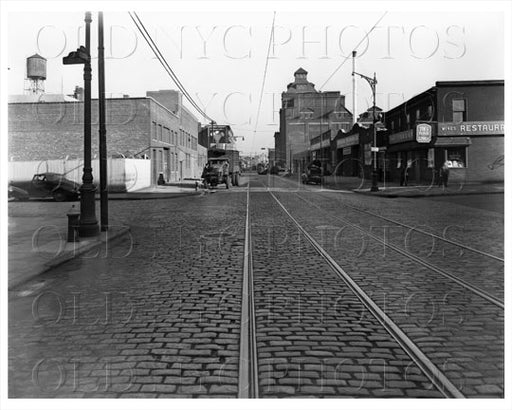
x=36 y=74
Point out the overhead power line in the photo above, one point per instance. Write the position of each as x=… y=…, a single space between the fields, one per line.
x=142 y=29
x=355 y=49
x=264 y=74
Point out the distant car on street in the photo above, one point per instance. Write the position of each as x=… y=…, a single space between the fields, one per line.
x=274 y=170
x=48 y=184
x=313 y=173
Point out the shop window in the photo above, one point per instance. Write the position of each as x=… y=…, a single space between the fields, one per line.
x=456 y=157
x=459 y=110
x=430 y=158
x=399 y=160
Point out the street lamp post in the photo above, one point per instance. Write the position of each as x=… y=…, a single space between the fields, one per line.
x=88 y=222
x=373 y=85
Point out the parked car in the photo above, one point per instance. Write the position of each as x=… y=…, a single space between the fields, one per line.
x=17 y=194
x=49 y=184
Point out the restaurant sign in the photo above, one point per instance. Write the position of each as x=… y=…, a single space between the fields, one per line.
x=423 y=133
x=471 y=128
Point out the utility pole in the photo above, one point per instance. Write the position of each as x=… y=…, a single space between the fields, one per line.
x=102 y=128
x=373 y=85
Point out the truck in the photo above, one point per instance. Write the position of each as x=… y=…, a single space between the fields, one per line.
x=214 y=173
x=221 y=148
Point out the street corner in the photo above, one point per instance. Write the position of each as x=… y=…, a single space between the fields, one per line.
x=26 y=261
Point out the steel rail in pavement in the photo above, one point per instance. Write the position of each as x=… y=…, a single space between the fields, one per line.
x=460 y=245
x=438 y=378
x=475 y=289
x=248 y=366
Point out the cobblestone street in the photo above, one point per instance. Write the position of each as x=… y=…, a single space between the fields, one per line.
x=159 y=313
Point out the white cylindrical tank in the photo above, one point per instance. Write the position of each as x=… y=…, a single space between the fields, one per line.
x=36 y=67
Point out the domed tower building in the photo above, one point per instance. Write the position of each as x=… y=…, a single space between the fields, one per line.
x=306 y=114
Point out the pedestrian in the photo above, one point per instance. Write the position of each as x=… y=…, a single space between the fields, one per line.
x=206 y=175
x=225 y=173
x=403 y=175
x=445 y=173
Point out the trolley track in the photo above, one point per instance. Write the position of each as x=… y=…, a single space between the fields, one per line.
x=430 y=234
x=444 y=382
x=261 y=334
x=425 y=247
x=429 y=369
x=475 y=289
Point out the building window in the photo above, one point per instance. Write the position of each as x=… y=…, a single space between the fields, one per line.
x=153 y=129
x=459 y=110
x=418 y=114
x=159 y=136
x=430 y=112
x=456 y=157
x=408 y=118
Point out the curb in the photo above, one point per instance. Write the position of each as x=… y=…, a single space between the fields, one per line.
x=420 y=195
x=150 y=195
x=65 y=256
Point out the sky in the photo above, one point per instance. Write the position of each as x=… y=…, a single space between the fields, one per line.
x=220 y=53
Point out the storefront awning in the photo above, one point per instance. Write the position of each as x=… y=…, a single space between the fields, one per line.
x=452 y=141
x=408 y=146
x=439 y=142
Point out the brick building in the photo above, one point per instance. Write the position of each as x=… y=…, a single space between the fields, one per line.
x=461 y=122
x=458 y=122
x=305 y=114
x=157 y=127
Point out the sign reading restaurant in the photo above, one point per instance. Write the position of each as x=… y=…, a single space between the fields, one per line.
x=471 y=128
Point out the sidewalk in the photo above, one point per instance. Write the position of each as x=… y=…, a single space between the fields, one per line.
x=36 y=248
x=394 y=190
x=434 y=190
x=157 y=192
x=38 y=233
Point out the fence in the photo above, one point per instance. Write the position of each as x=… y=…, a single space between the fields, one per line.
x=123 y=174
